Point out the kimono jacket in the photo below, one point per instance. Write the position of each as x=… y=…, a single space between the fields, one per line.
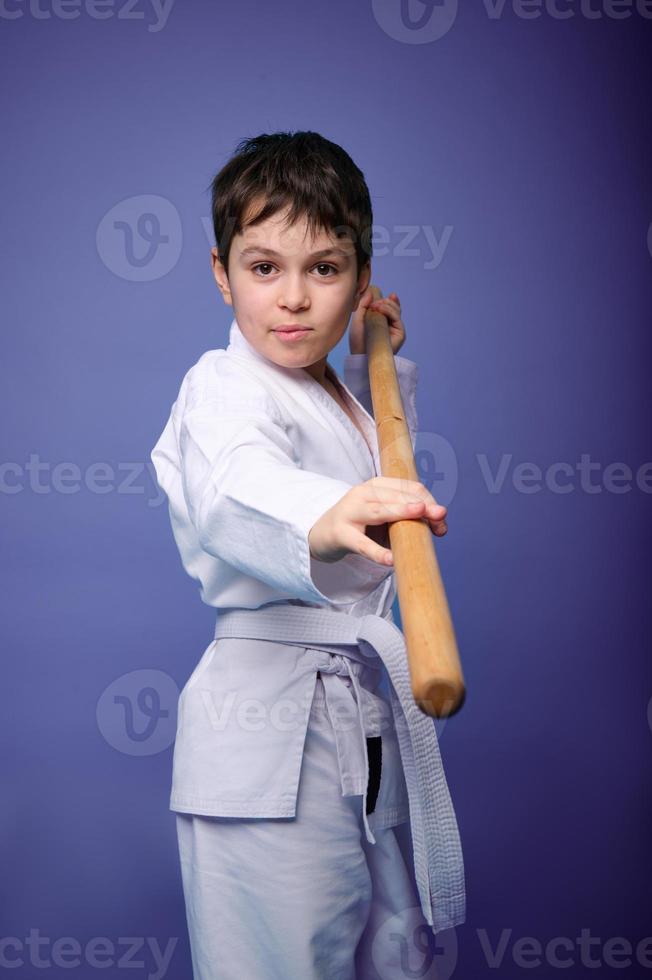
x=252 y=455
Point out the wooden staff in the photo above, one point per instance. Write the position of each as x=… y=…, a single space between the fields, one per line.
x=434 y=662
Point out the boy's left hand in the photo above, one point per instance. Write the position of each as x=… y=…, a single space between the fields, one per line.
x=389 y=307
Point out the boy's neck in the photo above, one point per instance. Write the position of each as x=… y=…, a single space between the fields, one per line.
x=321 y=371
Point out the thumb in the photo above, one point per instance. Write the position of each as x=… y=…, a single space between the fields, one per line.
x=363 y=303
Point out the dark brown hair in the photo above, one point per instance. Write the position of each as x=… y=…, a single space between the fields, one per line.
x=313 y=176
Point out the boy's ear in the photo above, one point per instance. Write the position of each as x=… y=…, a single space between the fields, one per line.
x=363 y=283
x=221 y=278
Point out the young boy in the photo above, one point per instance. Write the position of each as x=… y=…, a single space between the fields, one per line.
x=313 y=817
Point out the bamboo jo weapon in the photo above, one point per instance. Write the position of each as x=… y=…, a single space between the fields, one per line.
x=433 y=658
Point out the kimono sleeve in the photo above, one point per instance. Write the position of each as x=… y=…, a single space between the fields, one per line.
x=250 y=502
x=356 y=378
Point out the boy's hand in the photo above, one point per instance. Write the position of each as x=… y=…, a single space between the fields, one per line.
x=341 y=529
x=389 y=307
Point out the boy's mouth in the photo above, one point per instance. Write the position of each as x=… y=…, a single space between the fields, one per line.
x=292 y=332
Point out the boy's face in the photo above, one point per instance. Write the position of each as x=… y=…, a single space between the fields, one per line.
x=275 y=280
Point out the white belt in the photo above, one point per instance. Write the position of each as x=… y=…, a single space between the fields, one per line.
x=438 y=862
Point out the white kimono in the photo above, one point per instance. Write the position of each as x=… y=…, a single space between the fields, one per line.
x=252 y=455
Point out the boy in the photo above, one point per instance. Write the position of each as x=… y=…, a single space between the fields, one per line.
x=310 y=799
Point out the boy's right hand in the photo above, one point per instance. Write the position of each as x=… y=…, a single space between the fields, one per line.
x=341 y=529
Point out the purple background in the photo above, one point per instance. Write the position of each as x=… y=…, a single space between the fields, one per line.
x=529 y=138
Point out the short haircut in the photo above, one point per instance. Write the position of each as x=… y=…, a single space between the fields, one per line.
x=312 y=176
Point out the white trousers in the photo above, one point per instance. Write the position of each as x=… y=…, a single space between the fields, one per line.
x=304 y=897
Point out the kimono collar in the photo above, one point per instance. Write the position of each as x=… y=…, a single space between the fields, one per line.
x=341 y=425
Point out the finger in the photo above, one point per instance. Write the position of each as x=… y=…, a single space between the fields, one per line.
x=439 y=528
x=413 y=487
x=385 y=301
x=382 y=511
x=391 y=315
x=433 y=505
x=386 y=306
x=381 y=494
x=422 y=507
x=362 y=545
x=364 y=302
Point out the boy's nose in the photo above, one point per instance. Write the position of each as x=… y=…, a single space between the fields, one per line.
x=293 y=301
x=294 y=295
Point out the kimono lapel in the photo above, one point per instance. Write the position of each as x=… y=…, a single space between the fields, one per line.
x=323 y=408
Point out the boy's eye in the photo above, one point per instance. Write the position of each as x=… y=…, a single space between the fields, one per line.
x=268 y=265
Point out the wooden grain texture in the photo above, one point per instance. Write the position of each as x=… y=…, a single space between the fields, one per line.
x=434 y=662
